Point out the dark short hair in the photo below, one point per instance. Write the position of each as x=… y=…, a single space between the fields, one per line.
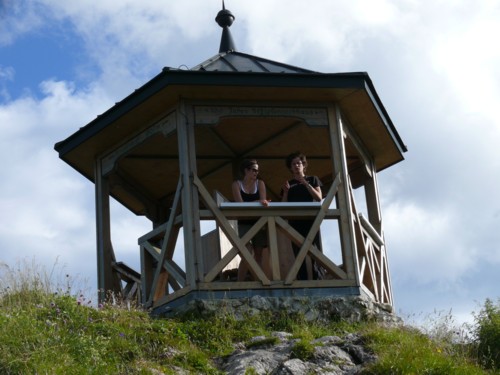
x=246 y=163
x=293 y=155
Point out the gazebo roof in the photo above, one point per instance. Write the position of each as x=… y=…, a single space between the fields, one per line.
x=250 y=78
x=233 y=61
x=235 y=77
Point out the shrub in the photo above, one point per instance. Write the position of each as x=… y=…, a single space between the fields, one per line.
x=487 y=332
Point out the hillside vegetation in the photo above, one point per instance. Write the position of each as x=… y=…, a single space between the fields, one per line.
x=46 y=328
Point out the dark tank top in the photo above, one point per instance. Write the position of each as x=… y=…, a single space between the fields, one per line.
x=249 y=197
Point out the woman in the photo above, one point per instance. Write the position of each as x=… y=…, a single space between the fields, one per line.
x=301 y=188
x=249 y=188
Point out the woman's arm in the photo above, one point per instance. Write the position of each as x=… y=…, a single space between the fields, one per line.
x=284 y=191
x=262 y=193
x=235 y=187
x=315 y=192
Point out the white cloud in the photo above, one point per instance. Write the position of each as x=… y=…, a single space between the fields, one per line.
x=18 y=17
x=138 y=38
x=6 y=73
x=426 y=240
x=47 y=209
x=465 y=54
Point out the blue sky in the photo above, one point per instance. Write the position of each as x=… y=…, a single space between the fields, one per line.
x=435 y=66
x=33 y=57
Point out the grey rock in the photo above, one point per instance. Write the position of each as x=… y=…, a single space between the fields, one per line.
x=332 y=355
x=293 y=367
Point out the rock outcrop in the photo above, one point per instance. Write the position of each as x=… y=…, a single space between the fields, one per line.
x=328 y=355
x=281 y=354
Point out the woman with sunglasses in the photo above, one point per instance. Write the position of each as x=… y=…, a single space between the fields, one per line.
x=249 y=188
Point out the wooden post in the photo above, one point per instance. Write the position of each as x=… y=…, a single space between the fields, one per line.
x=372 y=201
x=346 y=230
x=195 y=206
x=106 y=280
x=190 y=209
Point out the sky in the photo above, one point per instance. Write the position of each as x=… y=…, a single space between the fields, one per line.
x=434 y=63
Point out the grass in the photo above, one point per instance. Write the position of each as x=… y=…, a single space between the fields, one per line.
x=408 y=351
x=48 y=327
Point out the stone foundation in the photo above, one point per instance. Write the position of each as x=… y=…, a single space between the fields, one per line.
x=313 y=308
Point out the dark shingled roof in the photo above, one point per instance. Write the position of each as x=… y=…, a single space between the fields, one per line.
x=233 y=61
x=229 y=60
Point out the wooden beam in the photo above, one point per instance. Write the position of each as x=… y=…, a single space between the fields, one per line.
x=358 y=145
x=122 y=179
x=373 y=201
x=273 y=248
x=366 y=225
x=304 y=249
x=251 y=150
x=255 y=285
x=210 y=114
x=166 y=125
x=107 y=279
x=347 y=236
x=166 y=239
x=186 y=155
x=212 y=274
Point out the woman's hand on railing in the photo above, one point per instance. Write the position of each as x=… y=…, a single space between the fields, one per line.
x=265 y=202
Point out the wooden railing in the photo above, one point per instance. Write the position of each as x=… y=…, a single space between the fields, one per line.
x=164 y=280
x=372 y=261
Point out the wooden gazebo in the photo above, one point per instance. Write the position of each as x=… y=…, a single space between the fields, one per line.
x=169 y=151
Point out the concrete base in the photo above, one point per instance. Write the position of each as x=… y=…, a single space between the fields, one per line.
x=349 y=304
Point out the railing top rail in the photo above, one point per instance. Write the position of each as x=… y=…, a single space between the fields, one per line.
x=281 y=205
x=289 y=210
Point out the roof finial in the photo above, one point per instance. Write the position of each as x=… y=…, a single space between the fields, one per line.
x=225 y=19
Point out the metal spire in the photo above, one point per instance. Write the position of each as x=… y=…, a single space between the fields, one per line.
x=225 y=19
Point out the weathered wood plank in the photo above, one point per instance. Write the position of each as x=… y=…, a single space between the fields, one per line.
x=314 y=229
x=243 y=285
x=165 y=125
x=166 y=241
x=273 y=249
x=347 y=236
